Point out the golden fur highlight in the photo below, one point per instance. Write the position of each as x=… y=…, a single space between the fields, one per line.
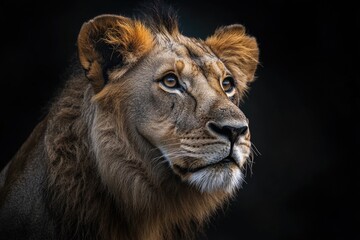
x=108 y=41
x=131 y=39
x=237 y=50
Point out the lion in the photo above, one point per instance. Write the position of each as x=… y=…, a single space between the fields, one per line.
x=145 y=141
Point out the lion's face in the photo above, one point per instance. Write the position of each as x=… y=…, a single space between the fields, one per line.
x=187 y=107
x=181 y=99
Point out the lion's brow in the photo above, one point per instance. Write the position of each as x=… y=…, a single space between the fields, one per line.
x=195 y=49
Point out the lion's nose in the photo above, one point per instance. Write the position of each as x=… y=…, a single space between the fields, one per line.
x=232 y=131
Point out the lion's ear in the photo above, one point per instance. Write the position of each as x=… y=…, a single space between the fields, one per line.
x=109 y=41
x=236 y=49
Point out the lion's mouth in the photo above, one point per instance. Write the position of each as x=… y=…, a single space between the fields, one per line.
x=222 y=163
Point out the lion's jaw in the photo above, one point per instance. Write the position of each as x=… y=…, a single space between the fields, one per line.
x=205 y=161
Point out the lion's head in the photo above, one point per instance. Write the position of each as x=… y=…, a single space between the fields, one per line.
x=173 y=99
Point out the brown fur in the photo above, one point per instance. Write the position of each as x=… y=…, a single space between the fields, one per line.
x=80 y=199
x=17 y=166
x=106 y=177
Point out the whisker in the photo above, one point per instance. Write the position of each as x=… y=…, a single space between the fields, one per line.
x=164 y=161
x=173 y=154
x=164 y=146
x=250 y=162
x=256 y=151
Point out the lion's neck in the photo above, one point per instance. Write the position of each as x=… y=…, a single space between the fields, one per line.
x=157 y=201
x=100 y=188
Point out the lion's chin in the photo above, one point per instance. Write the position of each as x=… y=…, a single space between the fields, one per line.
x=225 y=176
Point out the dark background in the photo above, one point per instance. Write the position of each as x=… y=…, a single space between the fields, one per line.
x=302 y=108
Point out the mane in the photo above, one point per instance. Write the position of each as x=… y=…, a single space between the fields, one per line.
x=160 y=18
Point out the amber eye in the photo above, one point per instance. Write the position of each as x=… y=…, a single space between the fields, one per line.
x=228 y=84
x=170 y=80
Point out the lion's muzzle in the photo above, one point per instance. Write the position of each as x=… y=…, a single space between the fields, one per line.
x=230 y=130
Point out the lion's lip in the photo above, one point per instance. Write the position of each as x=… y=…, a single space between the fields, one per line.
x=225 y=161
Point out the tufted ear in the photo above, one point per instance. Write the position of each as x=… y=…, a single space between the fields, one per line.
x=236 y=49
x=109 y=41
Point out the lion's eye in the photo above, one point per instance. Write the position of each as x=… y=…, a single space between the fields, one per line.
x=170 y=80
x=228 y=84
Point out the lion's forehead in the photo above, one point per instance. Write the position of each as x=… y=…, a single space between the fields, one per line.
x=193 y=56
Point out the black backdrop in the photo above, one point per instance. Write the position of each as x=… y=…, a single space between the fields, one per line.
x=302 y=108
